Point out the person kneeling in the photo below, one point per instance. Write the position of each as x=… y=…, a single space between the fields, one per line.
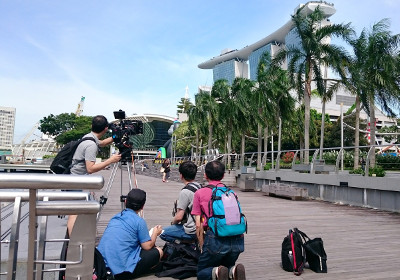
x=126 y=246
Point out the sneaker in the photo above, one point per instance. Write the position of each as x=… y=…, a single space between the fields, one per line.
x=222 y=273
x=239 y=272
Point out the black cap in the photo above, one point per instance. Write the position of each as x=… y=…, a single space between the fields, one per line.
x=135 y=199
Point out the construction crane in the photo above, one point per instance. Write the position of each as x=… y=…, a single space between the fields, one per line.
x=79 y=110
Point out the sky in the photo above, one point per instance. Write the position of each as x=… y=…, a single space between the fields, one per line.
x=134 y=55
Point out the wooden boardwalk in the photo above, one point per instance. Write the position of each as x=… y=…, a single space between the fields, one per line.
x=360 y=243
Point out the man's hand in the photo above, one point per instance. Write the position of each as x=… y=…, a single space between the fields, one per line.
x=115 y=158
x=157 y=229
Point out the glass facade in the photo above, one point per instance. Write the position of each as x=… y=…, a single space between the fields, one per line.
x=155 y=135
x=225 y=70
x=292 y=39
x=255 y=58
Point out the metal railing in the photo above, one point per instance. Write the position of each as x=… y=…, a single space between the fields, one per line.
x=81 y=243
x=336 y=159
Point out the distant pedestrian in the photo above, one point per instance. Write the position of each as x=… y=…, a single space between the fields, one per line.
x=167 y=169
x=362 y=164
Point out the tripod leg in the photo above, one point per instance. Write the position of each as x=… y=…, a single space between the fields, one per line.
x=129 y=176
x=104 y=197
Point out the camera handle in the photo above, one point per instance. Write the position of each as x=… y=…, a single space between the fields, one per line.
x=104 y=197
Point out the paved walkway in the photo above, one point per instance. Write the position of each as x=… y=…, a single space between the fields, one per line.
x=360 y=243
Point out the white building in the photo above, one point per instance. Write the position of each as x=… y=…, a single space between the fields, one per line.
x=7 y=123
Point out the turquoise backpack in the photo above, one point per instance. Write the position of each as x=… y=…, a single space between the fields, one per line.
x=227 y=218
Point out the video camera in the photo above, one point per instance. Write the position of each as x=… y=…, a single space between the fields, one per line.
x=123 y=130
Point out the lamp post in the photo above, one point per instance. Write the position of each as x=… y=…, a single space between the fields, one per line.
x=341 y=133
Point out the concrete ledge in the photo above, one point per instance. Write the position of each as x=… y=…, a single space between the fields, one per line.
x=285 y=191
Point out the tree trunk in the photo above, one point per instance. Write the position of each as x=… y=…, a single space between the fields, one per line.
x=279 y=134
x=321 y=143
x=210 y=132
x=242 y=149
x=357 y=134
x=372 y=126
x=229 y=147
x=264 y=158
x=197 y=146
x=259 y=146
x=307 y=99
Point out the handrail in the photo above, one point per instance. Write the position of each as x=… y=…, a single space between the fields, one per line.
x=50 y=181
x=9 y=196
x=64 y=262
x=34 y=182
x=366 y=171
x=338 y=160
x=48 y=208
x=312 y=165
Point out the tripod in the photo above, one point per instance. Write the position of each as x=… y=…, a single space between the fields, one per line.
x=104 y=197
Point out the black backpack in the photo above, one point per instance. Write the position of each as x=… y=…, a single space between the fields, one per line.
x=62 y=163
x=293 y=255
x=100 y=271
x=179 y=261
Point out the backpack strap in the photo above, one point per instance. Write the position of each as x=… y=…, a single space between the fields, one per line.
x=80 y=141
x=192 y=187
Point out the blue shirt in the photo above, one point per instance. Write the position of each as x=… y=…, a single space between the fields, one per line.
x=120 y=244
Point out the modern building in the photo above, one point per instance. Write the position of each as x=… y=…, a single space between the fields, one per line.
x=157 y=131
x=7 y=123
x=240 y=63
x=244 y=63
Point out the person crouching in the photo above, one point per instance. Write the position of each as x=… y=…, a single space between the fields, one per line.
x=126 y=245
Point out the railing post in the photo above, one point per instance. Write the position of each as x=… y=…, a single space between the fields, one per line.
x=312 y=171
x=278 y=161
x=30 y=275
x=366 y=171
x=14 y=240
x=294 y=158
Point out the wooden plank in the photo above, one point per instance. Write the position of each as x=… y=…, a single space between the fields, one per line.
x=360 y=243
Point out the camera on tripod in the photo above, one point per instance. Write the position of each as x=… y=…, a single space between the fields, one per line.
x=121 y=132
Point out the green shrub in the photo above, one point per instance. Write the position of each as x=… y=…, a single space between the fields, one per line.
x=283 y=165
x=378 y=171
x=388 y=162
x=357 y=171
x=267 y=166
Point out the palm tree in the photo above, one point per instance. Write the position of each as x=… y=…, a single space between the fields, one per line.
x=208 y=105
x=326 y=97
x=274 y=84
x=306 y=58
x=198 y=118
x=374 y=75
x=242 y=89
x=262 y=103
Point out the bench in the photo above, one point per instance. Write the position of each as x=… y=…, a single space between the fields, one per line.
x=285 y=191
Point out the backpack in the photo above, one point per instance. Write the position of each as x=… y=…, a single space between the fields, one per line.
x=227 y=218
x=100 y=270
x=192 y=187
x=293 y=254
x=179 y=261
x=62 y=163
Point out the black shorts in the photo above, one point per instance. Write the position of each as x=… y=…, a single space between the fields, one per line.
x=147 y=264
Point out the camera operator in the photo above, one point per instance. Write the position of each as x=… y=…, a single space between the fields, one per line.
x=84 y=159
